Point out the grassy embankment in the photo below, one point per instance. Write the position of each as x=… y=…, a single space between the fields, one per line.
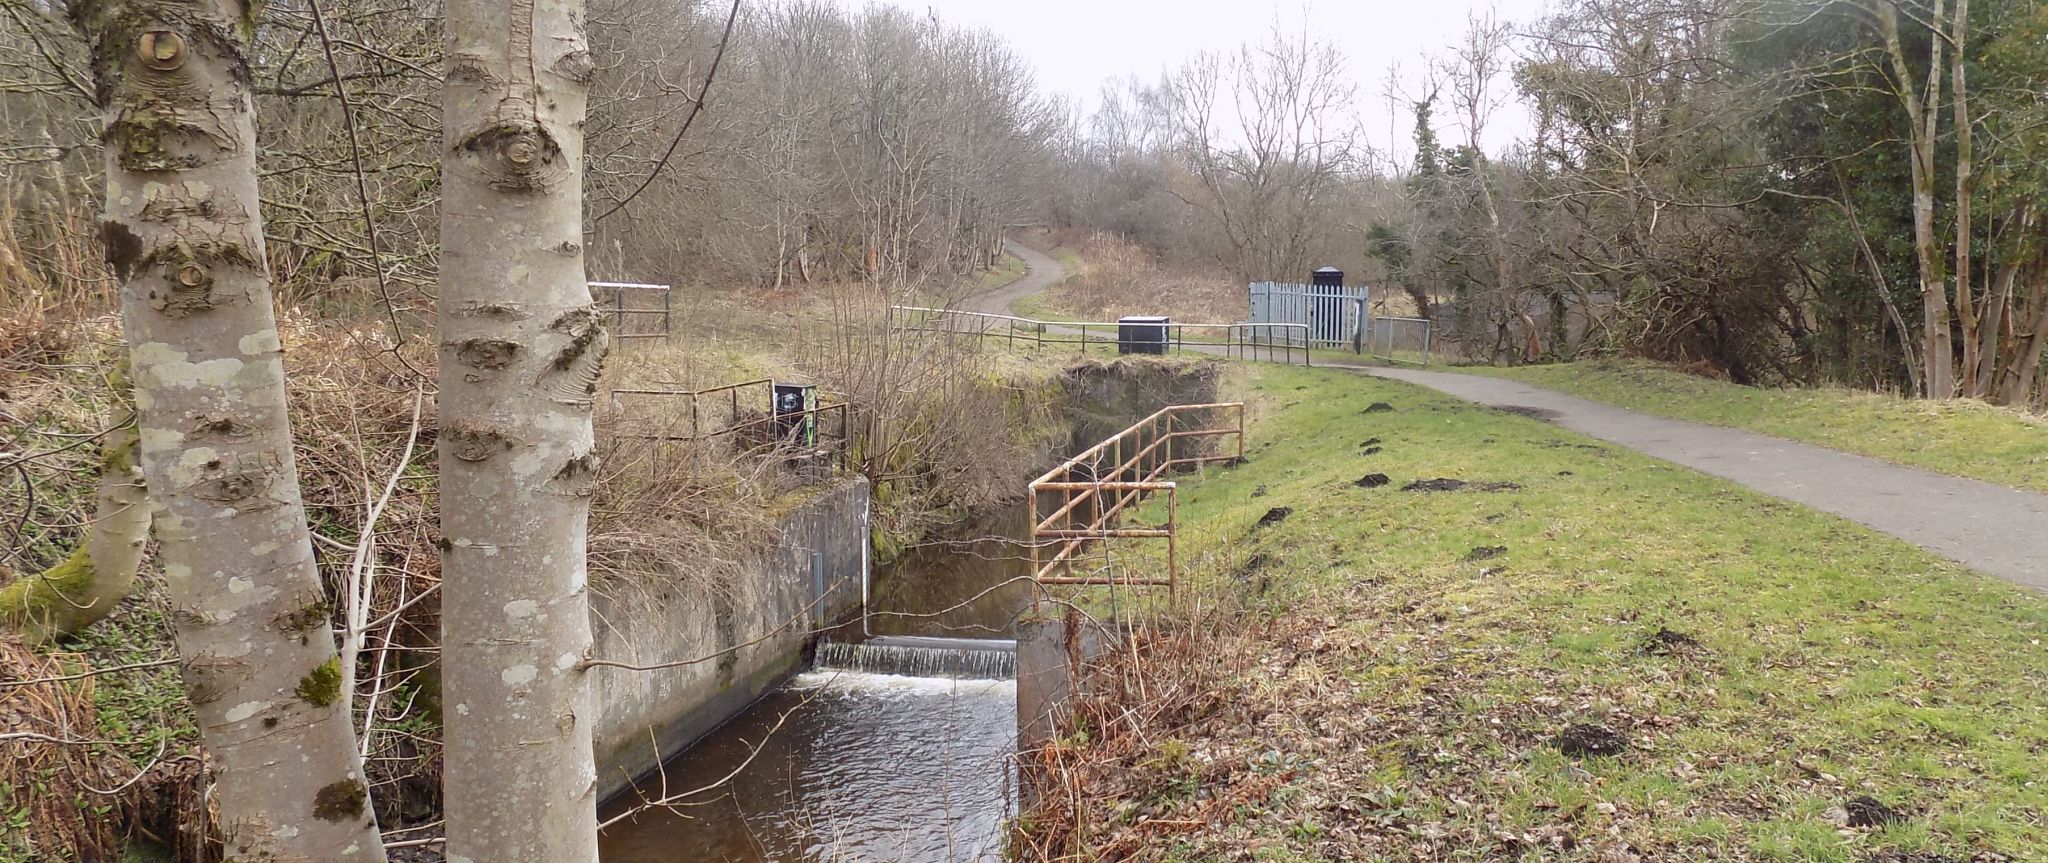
x=1964 y=438
x=1411 y=661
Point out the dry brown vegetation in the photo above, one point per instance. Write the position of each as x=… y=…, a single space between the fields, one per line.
x=364 y=423
x=1109 y=277
x=59 y=782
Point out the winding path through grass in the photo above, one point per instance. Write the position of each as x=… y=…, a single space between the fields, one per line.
x=1999 y=530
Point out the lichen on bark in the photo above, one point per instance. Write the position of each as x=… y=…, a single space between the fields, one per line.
x=184 y=232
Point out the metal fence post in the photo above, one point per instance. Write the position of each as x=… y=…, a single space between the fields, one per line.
x=1358 y=327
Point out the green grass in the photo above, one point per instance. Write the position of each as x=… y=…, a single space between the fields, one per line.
x=1037 y=307
x=1009 y=269
x=1041 y=306
x=1964 y=438
x=1411 y=695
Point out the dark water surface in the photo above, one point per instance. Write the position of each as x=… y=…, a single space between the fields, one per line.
x=863 y=767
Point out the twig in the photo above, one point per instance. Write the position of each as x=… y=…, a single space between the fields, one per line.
x=355 y=155
x=696 y=106
x=155 y=663
x=667 y=800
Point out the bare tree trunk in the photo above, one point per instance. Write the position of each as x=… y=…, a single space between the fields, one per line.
x=96 y=576
x=1966 y=305
x=1937 y=350
x=1884 y=287
x=1992 y=333
x=521 y=347
x=2019 y=380
x=185 y=238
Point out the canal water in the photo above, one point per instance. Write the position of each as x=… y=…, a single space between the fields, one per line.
x=861 y=767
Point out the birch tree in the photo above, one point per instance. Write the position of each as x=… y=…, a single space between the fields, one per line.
x=520 y=350
x=185 y=238
x=1922 y=106
x=97 y=575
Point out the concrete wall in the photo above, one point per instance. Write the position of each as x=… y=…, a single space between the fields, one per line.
x=1050 y=651
x=749 y=633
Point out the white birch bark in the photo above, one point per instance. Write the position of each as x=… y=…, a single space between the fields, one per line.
x=185 y=237
x=520 y=350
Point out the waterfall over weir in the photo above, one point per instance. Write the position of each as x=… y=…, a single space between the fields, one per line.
x=923 y=656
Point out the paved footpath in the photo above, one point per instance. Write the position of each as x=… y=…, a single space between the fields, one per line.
x=1041 y=272
x=1992 y=528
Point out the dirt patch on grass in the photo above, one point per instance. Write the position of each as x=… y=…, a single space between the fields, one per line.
x=1371 y=480
x=1485 y=552
x=1448 y=484
x=1543 y=414
x=1868 y=811
x=1438 y=484
x=1378 y=408
x=1586 y=739
x=1669 y=642
x=1275 y=516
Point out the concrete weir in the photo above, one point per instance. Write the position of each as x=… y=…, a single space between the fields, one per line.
x=738 y=640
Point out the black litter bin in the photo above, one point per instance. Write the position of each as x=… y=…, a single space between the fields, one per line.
x=1141 y=334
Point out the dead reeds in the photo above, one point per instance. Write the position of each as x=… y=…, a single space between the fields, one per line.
x=1178 y=673
x=62 y=790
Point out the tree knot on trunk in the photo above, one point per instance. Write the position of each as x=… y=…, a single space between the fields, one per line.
x=486 y=353
x=578 y=475
x=469 y=443
x=208 y=676
x=308 y=614
x=159 y=130
x=576 y=66
x=235 y=479
x=571 y=377
x=517 y=156
x=189 y=273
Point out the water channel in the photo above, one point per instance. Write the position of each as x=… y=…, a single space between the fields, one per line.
x=861 y=767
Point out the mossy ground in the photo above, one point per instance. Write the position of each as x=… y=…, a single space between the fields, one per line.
x=1764 y=663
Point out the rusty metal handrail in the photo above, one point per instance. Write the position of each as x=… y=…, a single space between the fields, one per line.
x=1107 y=494
x=845 y=436
x=733 y=390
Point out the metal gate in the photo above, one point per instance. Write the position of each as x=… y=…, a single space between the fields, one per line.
x=1334 y=316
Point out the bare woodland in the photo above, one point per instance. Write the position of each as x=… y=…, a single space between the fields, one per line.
x=298 y=290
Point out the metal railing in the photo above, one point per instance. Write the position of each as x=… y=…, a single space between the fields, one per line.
x=619 y=309
x=1333 y=316
x=1400 y=340
x=1096 y=487
x=734 y=423
x=695 y=397
x=1274 y=342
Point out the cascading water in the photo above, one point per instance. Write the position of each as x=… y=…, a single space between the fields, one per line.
x=917 y=656
x=896 y=749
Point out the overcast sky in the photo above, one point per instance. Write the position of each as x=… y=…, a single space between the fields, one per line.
x=1077 y=44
